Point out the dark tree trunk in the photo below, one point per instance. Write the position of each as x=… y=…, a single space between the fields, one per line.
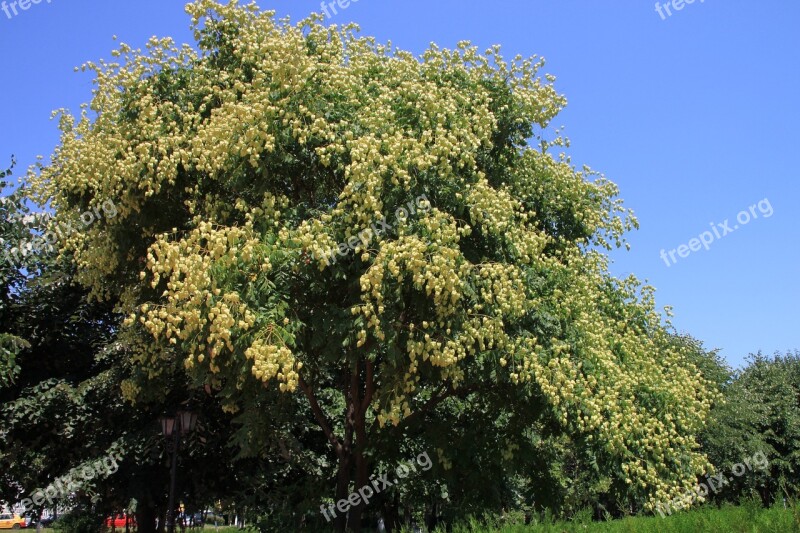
x=431 y=516
x=391 y=513
x=146 y=519
x=342 y=491
x=352 y=463
x=362 y=480
x=360 y=404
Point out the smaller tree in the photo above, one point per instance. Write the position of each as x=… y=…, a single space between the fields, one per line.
x=760 y=414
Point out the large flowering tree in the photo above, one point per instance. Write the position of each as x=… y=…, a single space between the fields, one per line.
x=246 y=172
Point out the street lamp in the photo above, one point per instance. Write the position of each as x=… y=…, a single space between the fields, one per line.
x=172 y=427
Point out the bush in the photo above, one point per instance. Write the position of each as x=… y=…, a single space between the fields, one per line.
x=79 y=522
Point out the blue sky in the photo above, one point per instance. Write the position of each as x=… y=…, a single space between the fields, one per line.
x=694 y=116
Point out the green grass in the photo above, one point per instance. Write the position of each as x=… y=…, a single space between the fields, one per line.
x=746 y=518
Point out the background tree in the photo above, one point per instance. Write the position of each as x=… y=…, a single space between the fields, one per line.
x=62 y=410
x=761 y=413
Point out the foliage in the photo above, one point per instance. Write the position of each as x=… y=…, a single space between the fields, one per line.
x=14 y=226
x=65 y=411
x=58 y=414
x=761 y=412
x=82 y=520
x=746 y=518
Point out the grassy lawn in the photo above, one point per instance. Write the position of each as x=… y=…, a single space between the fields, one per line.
x=730 y=519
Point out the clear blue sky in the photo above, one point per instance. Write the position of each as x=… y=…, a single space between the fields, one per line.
x=693 y=115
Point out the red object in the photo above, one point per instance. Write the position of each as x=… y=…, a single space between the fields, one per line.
x=120 y=520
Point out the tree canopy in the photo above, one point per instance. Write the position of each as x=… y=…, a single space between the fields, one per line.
x=317 y=228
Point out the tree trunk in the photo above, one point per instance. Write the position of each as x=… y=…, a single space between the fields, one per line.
x=358 y=420
x=390 y=510
x=162 y=519
x=361 y=470
x=349 y=451
x=342 y=491
x=146 y=519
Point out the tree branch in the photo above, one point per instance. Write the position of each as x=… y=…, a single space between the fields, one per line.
x=320 y=417
x=431 y=404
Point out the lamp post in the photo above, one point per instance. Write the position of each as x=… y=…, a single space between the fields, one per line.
x=172 y=427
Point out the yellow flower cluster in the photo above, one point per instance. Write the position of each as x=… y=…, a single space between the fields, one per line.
x=203 y=313
x=130 y=390
x=193 y=301
x=620 y=381
x=501 y=216
x=274 y=362
x=443 y=459
x=508 y=452
x=395 y=411
x=503 y=289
